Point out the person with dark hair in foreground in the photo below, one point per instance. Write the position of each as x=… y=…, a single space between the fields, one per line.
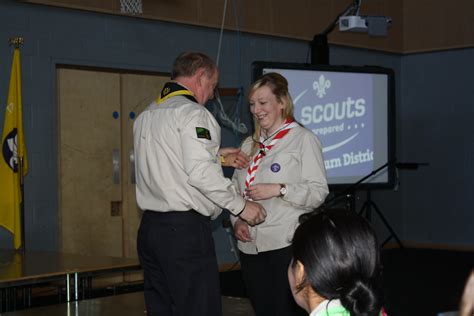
x=335 y=268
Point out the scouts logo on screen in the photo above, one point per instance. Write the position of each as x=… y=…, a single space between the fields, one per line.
x=9 y=152
x=202 y=132
x=321 y=85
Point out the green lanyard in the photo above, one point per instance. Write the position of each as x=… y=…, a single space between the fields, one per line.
x=339 y=311
x=335 y=311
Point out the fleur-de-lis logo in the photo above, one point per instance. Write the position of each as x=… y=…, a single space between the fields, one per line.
x=321 y=85
x=166 y=91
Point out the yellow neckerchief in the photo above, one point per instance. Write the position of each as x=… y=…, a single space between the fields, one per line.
x=172 y=89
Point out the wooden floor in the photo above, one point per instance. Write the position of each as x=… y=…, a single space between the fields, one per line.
x=424 y=281
x=131 y=304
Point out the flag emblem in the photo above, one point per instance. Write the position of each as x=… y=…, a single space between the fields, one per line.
x=9 y=150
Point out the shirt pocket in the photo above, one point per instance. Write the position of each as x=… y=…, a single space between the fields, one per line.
x=281 y=168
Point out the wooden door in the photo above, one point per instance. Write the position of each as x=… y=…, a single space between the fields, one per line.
x=98 y=210
x=89 y=143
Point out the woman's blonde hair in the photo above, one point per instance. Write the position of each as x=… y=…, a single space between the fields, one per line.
x=279 y=87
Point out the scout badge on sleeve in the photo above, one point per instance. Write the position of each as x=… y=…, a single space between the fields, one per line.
x=202 y=132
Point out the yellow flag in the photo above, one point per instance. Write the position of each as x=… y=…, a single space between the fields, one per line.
x=13 y=163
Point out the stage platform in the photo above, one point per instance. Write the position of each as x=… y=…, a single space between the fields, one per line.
x=131 y=304
x=424 y=281
x=20 y=271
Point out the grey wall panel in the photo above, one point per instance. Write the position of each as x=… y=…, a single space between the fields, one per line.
x=438 y=108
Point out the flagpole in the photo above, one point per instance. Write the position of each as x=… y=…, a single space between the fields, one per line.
x=16 y=42
x=22 y=206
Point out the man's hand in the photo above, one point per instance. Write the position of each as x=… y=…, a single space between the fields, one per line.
x=253 y=213
x=241 y=231
x=234 y=157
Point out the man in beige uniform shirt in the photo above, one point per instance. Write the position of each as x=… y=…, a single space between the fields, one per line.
x=180 y=187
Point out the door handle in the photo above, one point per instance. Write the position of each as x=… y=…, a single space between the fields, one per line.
x=116 y=165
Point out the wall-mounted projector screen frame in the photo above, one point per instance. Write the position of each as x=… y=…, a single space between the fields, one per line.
x=352 y=111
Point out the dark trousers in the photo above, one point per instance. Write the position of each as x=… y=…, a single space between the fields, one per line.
x=266 y=281
x=177 y=254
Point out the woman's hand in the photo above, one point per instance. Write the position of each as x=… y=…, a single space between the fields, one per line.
x=241 y=231
x=263 y=191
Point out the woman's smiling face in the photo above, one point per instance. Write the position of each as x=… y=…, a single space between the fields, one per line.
x=266 y=109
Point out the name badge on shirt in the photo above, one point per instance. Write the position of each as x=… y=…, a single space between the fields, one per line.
x=202 y=132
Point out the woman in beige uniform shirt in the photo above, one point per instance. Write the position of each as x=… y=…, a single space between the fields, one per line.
x=287 y=177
